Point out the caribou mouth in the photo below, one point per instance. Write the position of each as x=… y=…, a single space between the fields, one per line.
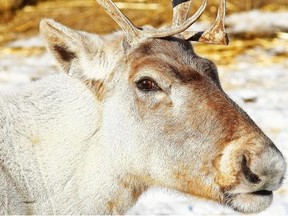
x=262 y=193
x=252 y=202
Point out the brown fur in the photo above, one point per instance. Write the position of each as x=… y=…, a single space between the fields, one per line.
x=193 y=185
x=225 y=181
x=131 y=187
x=97 y=87
x=136 y=185
x=177 y=56
x=183 y=74
x=111 y=206
x=35 y=140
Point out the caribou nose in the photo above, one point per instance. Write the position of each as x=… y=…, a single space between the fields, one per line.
x=266 y=170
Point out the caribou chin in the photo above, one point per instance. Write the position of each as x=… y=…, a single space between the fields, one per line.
x=249 y=202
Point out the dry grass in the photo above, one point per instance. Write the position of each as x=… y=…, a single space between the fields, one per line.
x=226 y=55
x=88 y=16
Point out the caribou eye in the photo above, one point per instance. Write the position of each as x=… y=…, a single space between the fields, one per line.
x=147 y=84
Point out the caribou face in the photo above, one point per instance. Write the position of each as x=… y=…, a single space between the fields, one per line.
x=184 y=132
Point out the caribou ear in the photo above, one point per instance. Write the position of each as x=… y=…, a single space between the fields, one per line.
x=60 y=41
x=69 y=46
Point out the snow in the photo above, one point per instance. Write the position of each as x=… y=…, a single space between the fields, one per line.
x=18 y=69
x=257 y=21
x=35 y=41
x=261 y=90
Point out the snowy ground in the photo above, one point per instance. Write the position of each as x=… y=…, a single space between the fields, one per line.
x=262 y=91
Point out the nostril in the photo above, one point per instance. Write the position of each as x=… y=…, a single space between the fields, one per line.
x=248 y=174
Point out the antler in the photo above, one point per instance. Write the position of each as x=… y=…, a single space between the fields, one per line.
x=216 y=33
x=180 y=22
x=180 y=11
x=135 y=33
x=131 y=30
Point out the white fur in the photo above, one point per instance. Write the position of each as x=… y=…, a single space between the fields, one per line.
x=37 y=122
x=51 y=158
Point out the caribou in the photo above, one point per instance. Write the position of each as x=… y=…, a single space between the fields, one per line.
x=134 y=109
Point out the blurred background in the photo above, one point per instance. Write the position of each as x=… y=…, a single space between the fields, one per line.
x=20 y=19
x=252 y=68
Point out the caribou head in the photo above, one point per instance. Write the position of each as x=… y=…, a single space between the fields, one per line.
x=165 y=120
